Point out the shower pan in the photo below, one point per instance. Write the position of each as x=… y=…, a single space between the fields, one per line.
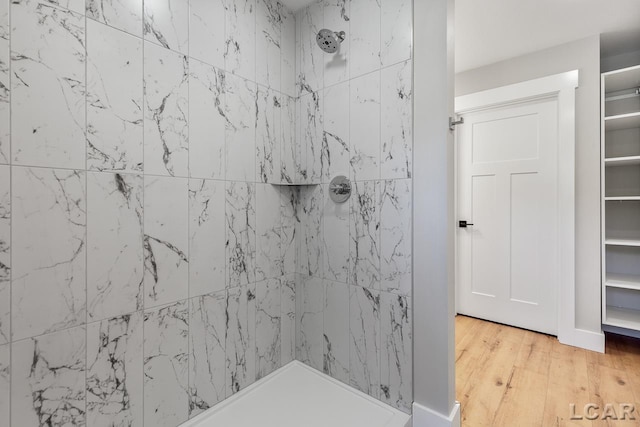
x=297 y=395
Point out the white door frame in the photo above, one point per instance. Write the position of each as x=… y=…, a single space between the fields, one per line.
x=561 y=87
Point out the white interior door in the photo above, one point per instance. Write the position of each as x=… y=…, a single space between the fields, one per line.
x=507 y=186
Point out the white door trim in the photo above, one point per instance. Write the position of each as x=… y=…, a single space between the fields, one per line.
x=562 y=87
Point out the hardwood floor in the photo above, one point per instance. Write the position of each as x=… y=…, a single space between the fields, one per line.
x=512 y=377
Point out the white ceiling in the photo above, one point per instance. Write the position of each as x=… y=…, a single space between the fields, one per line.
x=295 y=5
x=489 y=31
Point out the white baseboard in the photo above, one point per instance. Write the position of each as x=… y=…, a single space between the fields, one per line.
x=581 y=338
x=425 y=417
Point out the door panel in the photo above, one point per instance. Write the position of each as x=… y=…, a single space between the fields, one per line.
x=506 y=139
x=507 y=188
x=525 y=230
x=484 y=204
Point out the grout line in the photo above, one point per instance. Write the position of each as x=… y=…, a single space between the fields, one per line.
x=11 y=209
x=86 y=213
x=143 y=286
x=188 y=248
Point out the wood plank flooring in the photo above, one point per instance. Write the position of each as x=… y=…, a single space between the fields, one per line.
x=512 y=377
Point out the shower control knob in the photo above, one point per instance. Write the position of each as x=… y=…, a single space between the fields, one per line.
x=340 y=189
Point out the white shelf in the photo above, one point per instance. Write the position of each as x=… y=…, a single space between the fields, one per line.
x=618 y=80
x=622 y=199
x=623 y=281
x=622 y=318
x=623 y=121
x=621 y=225
x=622 y=242
x=622 y=161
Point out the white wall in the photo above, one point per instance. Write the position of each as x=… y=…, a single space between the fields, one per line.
x=583 y=55
x=433 y=232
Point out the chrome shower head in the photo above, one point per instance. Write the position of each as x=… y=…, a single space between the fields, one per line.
x=329 y=41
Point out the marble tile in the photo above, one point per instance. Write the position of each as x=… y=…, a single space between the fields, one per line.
x=240 y=134
x=336 y=331
x=240 y=38
x=5 y=254
x=309 y=321
x=288 y=319
x=290 y=149
x=396 y=31
x=240 y=338
x=268 y=148
x=166 y=240
x=396 y=122
x=49 y=244
x=269 y=262
x=364 y=231
x=310 y=58
x=364 y=337
x=77 y=6
x=365 y=36
x=268 y=327
x=337 y=18
x=114 y=100
x=5 y=84
x=312 y=137
x=289 y=197
x=396 y=358
x=115 y=255
x=166 y=365
x=206 y=31
x=5 y=385
x=166 y=113
x=364 y=127
x=336 y=131
x=240 y=214
x=309 y=231
x=207 y=355
x=115 y=372
x=48 y=380
x=395 y=236
x=207 y=121
x=288 y=249
x=268 y=50
x=289 y=204
x=166 y=23
x=287 y=52
x=335 y=239
x=48 y=85
x=125 y=15
x=300 y=148
x=206 y=237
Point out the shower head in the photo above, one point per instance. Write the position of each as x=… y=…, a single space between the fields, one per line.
x=329 y=41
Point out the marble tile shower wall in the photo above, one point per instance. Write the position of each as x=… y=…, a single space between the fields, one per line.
x=354 y=118
x=147 y=270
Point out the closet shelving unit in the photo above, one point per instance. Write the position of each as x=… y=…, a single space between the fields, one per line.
x=621 y=201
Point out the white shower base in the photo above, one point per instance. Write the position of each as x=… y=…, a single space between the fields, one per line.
x=296 y=396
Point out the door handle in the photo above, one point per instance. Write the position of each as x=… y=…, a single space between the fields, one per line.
x=464 y=224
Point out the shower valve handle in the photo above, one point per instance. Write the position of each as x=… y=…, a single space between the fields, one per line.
x=343 y=188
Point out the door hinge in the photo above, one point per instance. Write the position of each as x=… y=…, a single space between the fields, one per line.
x=453 y=123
